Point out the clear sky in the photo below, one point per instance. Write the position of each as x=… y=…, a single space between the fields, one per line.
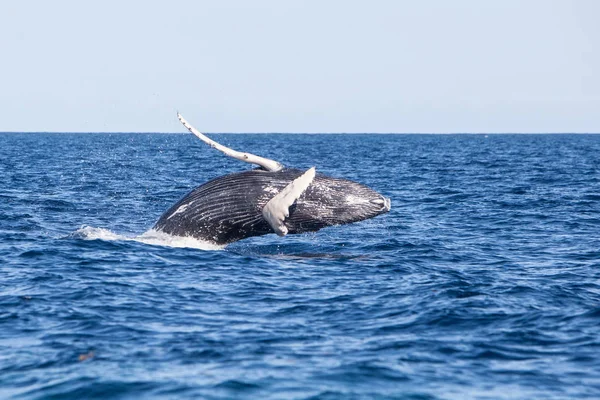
x=300 y=66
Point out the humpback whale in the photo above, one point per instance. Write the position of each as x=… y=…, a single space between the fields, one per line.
x=267 y=199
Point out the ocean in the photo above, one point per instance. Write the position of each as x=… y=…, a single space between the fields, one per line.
x=482 y=282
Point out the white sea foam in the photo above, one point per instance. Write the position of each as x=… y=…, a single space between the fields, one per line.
x=150 y=237
x=164 y=239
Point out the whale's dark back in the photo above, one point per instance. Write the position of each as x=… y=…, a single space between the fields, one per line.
x=229 y=208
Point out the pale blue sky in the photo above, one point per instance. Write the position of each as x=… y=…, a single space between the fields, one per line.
x=300 y=66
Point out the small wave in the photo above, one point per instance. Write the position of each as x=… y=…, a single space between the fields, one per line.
x=164 y=239
x=151 y=237
x=91 y=233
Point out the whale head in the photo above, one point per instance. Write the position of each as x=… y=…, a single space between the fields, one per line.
x=333 y=201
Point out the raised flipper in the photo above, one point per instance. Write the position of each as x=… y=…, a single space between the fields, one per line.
x=265 y=163
x=278 y=208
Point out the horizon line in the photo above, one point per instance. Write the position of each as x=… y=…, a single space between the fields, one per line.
x=307 y=133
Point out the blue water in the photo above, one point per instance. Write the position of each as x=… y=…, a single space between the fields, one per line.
x=483 y=282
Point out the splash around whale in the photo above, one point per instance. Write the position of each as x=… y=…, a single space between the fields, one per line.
x=268 y=199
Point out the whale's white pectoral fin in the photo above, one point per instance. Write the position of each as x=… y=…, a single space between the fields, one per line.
x=269 y=165
x=278 y=208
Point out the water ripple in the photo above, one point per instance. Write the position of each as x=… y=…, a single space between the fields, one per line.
x=482 y=282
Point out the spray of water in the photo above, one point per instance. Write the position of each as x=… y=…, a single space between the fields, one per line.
x=150 y=237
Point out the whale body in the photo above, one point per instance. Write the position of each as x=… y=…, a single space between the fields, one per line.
x=268 y=199
x=230 y=208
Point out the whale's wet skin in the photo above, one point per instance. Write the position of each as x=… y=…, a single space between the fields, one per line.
x=269 y=199
x=229 y=208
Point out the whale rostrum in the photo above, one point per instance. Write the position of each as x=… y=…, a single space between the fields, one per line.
x=268 y=199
